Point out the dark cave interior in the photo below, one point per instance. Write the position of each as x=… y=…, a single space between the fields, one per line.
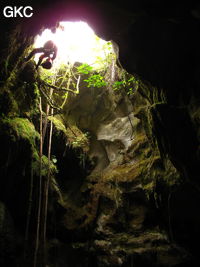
x=109 y=204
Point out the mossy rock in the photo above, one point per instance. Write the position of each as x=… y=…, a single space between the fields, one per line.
x=8 y=105
x=74 y=135
x=46 y=165
x=125 y=172
x=20 y=128
x=58 y=123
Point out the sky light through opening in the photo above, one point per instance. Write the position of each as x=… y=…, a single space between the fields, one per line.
x=76 y=42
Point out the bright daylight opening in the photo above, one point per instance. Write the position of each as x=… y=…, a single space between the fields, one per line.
x=76 y=42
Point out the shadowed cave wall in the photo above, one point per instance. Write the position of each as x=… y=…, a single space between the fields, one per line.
x=134 y=201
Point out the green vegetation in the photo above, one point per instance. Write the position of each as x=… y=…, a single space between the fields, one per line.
x=67 y=79
x=46 y=165
x=84 y=68
x=80 y=140
x=20 y=128
x=128 y=83
x=77 y=138
x=95 y=80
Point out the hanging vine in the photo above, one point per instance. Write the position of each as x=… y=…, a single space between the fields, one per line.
x=39 y=189
x=46 y=187
x=30 y=200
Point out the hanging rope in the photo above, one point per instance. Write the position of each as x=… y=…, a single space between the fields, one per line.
x=46 y=188
x=46 y=181
x=43 y=185
x=28 y=214
x=46 y=117
x=40 y=189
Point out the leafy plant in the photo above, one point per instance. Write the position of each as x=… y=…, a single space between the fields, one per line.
x=129 y=84
x=95 y=80
x=118 y=85
x=84 y=68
